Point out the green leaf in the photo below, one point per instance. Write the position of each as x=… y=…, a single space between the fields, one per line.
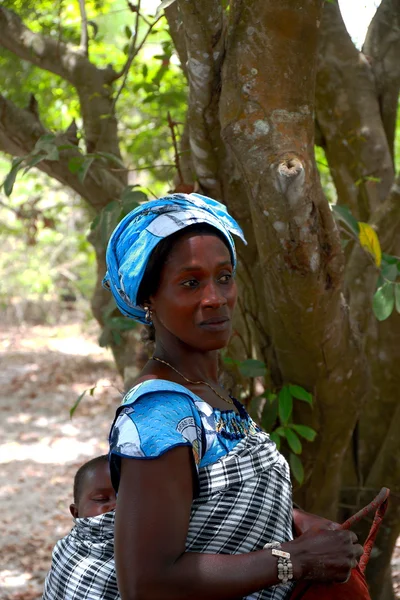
x=383 y=301
x=252 y=368
x=85 y=168
x=269 y=415
x=116 y=336
x=75 y=163
x=390 y=272
x=276 y=439
x=293 y=440
x=285 y=404
x=128 y=32
x=227 y=360
x=75 y=406
x=297 y=467
x=109 y=218
x=300 y=393
x=390 y=259
x=131 y=199
x=306 y=432
x=121 y=323
x=270 y=396
x=397 y=296
x=9 y=181
x=280 y=431
x=342 y=213
x=110 y=157
x=105 y=338
x=45 y=141
x=32 y=162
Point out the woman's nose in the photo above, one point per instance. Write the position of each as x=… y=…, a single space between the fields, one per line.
x=213 y=297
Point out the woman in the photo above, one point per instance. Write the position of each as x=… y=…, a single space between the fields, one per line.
x=201 y=489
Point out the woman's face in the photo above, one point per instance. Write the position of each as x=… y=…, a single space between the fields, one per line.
x=197 y=293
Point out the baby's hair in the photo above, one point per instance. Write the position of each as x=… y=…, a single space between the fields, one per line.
x=82 y=471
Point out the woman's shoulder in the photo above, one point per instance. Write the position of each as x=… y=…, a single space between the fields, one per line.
x=160 y=388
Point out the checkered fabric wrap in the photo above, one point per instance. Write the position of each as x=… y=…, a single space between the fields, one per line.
x=245 y=501
x=83 y=562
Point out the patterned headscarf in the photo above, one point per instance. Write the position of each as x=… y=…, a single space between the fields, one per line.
x=136 y=236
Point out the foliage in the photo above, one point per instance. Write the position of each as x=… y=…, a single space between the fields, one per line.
x=387 y=294
x=44 y=249
x=155 y=85
x=273 y=411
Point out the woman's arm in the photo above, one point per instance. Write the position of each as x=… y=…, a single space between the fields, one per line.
x=303 y=521
x=152 y=520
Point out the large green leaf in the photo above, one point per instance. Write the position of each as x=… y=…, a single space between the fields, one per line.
x=383 y=302
x=252 y=368
x=285 y=401
x=293 y=440
x=342 y=213
x=276 y=439
x=300 y=393
x=306 y=432
x=397 y=296
x=297 y=467
x=121 y=323
x=9 y=181
x=269 y=415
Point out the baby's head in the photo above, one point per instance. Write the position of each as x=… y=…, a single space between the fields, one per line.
x=93 y=492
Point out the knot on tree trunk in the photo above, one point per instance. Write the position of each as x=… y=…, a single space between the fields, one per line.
x=290 y=178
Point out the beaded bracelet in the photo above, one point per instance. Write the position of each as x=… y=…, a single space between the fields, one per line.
x=285 y=567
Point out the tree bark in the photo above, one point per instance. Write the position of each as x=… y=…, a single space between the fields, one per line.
x=348 y=116
x=382 y=49
x=267 y=121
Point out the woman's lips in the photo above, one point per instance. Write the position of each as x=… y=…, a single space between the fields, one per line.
x=216 y=324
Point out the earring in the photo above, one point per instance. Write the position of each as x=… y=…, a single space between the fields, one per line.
x=147 y=315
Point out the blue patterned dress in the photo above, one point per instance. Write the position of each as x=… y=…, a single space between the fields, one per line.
x=244 y=495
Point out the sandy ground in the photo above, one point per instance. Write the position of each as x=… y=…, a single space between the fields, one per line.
x=43 y=371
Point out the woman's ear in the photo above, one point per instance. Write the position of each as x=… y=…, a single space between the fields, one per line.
x=73 y=509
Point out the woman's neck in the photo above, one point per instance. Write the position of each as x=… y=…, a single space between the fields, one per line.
x=192 y=363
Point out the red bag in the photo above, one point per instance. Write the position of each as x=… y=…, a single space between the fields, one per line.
x=356 y=588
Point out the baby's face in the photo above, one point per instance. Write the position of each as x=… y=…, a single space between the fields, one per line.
x=97 y=495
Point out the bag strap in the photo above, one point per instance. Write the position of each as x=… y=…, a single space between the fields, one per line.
x=379 y=505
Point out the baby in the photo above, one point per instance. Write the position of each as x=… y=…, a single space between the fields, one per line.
x=82 y=565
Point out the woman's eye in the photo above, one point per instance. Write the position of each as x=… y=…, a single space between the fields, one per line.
x=100 y=499
x=191 y=283
x=225 y=278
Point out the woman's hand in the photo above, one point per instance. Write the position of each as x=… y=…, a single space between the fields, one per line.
x=324 y=555
x=303 y=521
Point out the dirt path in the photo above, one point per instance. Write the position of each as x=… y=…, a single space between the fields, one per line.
x=43 y=371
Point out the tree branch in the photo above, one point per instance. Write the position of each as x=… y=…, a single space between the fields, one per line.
x=348 y=116
x=19 y=132
x=382 y=48
x=92 y=84
x=84 y=45
x=203 y=25
x=176 y=30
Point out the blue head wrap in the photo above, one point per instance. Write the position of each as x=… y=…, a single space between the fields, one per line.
x=136 y=236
